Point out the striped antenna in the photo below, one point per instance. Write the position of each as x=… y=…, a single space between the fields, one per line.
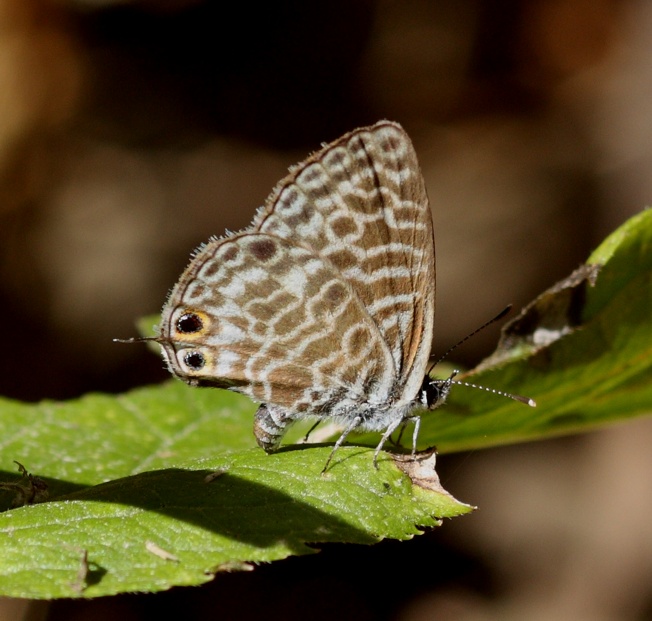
x=531 y=402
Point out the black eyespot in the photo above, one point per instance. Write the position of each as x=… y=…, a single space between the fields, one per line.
x=194 y=360
x=189 y=323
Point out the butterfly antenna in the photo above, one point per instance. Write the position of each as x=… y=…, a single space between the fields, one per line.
x=531 y=402
x=498 y=317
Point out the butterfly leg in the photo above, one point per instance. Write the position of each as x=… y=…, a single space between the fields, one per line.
x=397 y=442
x=305 y=438
x=269 y=426
x=351 y=426
x=415 y=434
x=388 y=432
x=392 y=428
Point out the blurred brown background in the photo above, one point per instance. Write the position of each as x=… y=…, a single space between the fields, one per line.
x=131 y=131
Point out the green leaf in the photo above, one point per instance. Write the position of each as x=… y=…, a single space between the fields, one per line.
x=180 y=525
x=162 y=486
x=127 y=480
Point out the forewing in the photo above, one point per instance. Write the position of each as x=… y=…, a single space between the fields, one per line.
x=360 y=204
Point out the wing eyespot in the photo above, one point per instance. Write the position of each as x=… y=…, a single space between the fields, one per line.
x=194 y=360
x=190 y=323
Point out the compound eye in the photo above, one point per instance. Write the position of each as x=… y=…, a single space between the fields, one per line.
x=194 y=360
x=189 y=323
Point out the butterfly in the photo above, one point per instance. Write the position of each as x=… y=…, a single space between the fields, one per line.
x=323 y=307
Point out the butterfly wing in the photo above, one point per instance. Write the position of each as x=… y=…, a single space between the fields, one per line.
x=325 y=304
x=361 y=205
x=267 y=317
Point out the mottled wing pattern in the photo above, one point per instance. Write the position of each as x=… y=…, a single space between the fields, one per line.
x=325 y=304
x=278 y=324
x=361 y=204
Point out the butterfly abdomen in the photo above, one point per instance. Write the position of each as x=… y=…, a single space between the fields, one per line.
x=270 y=423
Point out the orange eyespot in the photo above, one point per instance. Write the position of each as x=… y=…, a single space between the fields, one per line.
x=191 y=324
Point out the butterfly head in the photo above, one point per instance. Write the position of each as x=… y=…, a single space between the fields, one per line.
x=434 y=392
